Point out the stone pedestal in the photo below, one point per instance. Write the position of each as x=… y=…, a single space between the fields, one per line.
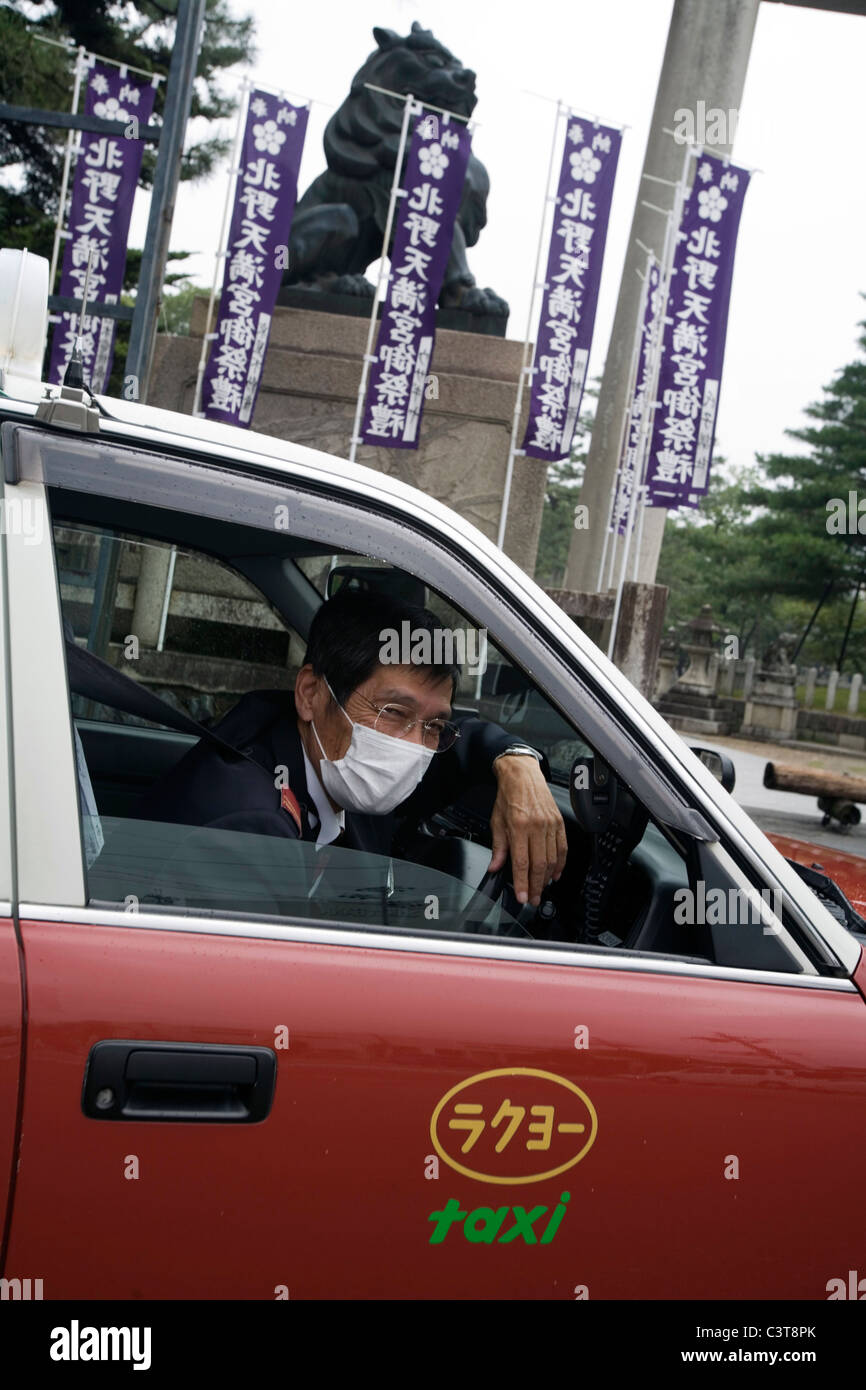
x=691 y=705
x=771 y=704
x=771 y=710
x=309 y=391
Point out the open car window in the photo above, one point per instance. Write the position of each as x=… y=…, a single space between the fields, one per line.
x=490 y=683
x=515 y=679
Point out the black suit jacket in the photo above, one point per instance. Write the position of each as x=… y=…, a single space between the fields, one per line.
x=209 y=787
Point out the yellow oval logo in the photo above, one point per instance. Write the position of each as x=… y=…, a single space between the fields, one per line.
x=513 y=1125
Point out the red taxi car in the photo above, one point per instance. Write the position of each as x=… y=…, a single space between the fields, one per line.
x=226 y=1073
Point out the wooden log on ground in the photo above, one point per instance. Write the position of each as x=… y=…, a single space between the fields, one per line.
x=831 y=785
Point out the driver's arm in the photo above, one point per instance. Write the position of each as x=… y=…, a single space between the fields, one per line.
x=525 y=821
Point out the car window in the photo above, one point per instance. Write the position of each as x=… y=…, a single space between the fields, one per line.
x=186 y=625
x=148 y=865
x=619 y=890
x=200 y=636
x=494 y=685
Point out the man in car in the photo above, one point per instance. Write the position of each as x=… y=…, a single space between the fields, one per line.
x=363 y=743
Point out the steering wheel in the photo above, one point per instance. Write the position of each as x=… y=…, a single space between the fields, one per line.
x=497 y=887
x=492 y=884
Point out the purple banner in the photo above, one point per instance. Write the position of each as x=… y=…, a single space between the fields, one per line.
x=103 y=190
x=256 y=256
x=574 y=262
x=643 y=386
x=434 y=178
x=693 y=347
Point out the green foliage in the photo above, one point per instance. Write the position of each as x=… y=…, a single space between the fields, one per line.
x=561 y=494
x=759 y=549
x=708 y=557
x=39 y=75
x=800 y=552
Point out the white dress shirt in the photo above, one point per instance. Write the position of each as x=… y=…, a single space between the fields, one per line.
x=330 y=822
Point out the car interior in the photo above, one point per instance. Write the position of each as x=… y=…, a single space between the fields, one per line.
x=236 y=619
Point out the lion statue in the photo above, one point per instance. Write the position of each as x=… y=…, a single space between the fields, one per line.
x=340 y=221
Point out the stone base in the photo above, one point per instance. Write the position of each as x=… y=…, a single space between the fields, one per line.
x=687 y=724
x=770 y=718
x=309 y=392
x=689 y=709
x=356 y=306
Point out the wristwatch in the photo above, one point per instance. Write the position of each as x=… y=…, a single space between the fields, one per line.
x=519 y=748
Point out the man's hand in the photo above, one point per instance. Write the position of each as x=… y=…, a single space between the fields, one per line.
x=527 y=825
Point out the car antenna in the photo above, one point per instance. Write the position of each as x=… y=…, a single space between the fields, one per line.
x=74 y=407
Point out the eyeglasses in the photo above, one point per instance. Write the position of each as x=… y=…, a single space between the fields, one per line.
x=437 y=734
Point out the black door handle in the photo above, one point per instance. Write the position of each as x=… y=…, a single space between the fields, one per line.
x=196 y=1082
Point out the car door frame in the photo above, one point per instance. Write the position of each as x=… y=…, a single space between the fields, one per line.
x=146 y=472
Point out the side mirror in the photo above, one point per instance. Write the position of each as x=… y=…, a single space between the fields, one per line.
x=720 y=765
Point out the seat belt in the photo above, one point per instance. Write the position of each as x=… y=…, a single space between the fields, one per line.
x=94 y=678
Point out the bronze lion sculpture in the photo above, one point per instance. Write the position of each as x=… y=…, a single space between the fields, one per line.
x=340 y=221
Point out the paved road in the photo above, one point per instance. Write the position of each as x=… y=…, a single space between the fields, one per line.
x=789 y=813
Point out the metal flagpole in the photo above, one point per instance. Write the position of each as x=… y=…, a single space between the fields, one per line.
x=409 y=109
x=624 y=441
x=674 y=216
x=641 y=514
x=525 y=369
x=101 y=58
x=222 y=250
x=80 y=67
x=181 y=78
x=634 y=367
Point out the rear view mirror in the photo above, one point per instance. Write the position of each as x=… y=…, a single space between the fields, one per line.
x=720 y=765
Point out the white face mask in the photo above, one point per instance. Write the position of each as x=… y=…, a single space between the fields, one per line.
x=376 y=772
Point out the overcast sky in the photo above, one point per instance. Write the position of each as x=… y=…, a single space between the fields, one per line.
x=801 y=258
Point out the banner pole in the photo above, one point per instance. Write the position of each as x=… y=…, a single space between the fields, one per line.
x=408 y=110
x=80 y=66
x=640 y=521
x=624 y=442
x=668 y=257
x=633 y=369
x=234 y=170
x=525 y=369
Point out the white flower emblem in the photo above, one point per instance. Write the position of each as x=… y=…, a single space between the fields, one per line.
x=110 y=110
x=434 y=161
x=705 y=173
x=99 y=83
x=711 y=203
x=575 y=134
x=584 y=165
x=259 y=107
x=269 y=137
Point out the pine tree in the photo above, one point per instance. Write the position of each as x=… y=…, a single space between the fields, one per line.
x=35 y=74
x=804 y=535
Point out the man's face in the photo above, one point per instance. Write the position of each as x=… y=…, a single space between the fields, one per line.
x=407 y=689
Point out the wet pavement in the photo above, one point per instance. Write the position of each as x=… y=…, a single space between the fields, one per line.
x=789 y=813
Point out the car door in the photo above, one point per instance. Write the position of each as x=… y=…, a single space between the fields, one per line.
x=329 y=1107
x=11 y=995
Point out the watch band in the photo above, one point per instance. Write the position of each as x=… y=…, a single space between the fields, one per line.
x=521 y=749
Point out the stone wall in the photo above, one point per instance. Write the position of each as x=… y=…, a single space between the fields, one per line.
x=309 y=391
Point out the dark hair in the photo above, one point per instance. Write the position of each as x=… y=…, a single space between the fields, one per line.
x=345 y=642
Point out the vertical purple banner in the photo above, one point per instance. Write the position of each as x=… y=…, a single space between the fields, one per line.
x=103 y=191
x=574 y=262
x=693 y=347
x=256 y=257
x=435 y=174
x=649 y=328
